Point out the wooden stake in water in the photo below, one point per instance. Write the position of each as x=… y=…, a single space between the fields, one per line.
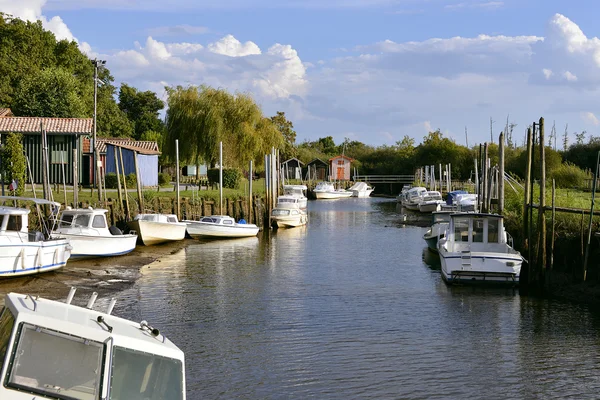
x=501 y=177
x=221 y=177
x=541 y=209
x=138 y=179
x=62 y=165
x=117 y=170
x=75 y=179
x=250 y=193
x=177 y=179
x=589 y=238
x=124 y=184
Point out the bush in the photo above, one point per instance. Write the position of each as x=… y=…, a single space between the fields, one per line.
x=131 y=181
x=569 y=175
x=110 y=180
x=163 y=179
x=231 y=177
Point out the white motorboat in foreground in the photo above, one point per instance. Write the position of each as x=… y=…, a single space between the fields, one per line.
x=477 y=249
x=89 y=234
x=361 y=189
x=55 y=350
x=23 y=252
x=220 y=226
x=431 y=201
x=290 y=210
x=441 y=220
x=157 y=228
x=326 y=190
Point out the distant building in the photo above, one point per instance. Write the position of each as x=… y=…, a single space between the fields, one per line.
x=63 y=134
x=317 y=169
x=340 y=168
x=292 y=168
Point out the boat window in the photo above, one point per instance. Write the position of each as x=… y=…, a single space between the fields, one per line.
x=81 y=220
x=138 y=375
x=461 y=229
x=66 y=220
x=280 y=212
x=99 y=221
x=74 y=371
x=148 y=217
x=208 y=219
x=14 y=223
x=7 y=321
x=493 y=229
x=227 y=222
x=478 y=230
x=172 y=219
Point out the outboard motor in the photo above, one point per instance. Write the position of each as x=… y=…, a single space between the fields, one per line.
x=115 y=231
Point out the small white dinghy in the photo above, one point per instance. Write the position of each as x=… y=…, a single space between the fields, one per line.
x=157 y=228
x=23 y=252
x=89 y=234
x=219 y=226
x=361 y=189
x=55 y=350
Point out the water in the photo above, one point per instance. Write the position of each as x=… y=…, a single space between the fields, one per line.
x=353 y=306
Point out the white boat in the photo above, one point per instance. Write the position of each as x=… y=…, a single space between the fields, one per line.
x=326 y=190
x=413 y=198
x=55 y=350
x=157 y=228
x=361 y=189
x=401 y=198
x=89 y=234
x=219 y=226
x=460 y=200
x=23 y=252
x=431 y=201
x=477 y=249
x=290 y=210
x=441 y=219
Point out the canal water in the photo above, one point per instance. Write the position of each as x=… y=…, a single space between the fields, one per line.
x=353 y=306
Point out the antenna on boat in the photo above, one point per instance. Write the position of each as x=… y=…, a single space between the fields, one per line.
x=71 y=295
x=154 y=331
x=92 y=300
x=113 y=301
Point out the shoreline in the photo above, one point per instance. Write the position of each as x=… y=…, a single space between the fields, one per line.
x=106 y=276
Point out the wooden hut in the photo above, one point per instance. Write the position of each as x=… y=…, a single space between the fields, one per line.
x=340 y=168
x=292 y=168
x=147 y=160
x=317 y=169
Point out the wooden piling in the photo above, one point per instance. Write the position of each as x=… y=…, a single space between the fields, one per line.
x=117 y=170
x=501 y=177
x=128 y=211
x=250 y=175
x=177 y=179
x=75 y=180
x=553 y=224
x=541 y=210
x=485 y=177
x=138 y=179
x=589 y=236
x=527 y=190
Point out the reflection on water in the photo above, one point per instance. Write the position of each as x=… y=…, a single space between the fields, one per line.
x=431 y=258
x=351 y=306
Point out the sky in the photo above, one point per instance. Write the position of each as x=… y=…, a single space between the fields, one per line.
x=367 y=70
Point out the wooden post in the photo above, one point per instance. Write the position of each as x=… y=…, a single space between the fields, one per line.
x=62 y=165
x=589 y=237
x=527 y=188
x=553 y=224
x=138 y=178
x=117 y=170
x=98 y=172
x=45 y=185
x=75 y=179
x=484 y=173
x=250 y=194
x=177 y=180
x=501 y=177
x=532 y=266
x=542 y=210
x=221 y=178
x=128 y=212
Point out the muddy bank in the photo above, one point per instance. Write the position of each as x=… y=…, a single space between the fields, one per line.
x=106 y=276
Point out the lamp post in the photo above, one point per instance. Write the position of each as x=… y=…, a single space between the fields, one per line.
x=96 y=63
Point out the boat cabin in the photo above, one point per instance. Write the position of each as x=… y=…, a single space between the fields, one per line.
x=476 y=232
x=281 y=212
x=83 y=219
x=432 y=196
x=218 y=220
x=415 y=194
x=164 y=218
x=13 y=220
x=440 y=217
x=55 y=350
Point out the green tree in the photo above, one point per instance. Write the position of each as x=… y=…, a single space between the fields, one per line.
x=142 y=109
x=286 y=128
x=14 y=164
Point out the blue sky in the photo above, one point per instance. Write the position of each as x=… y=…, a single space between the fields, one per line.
x=371 y=71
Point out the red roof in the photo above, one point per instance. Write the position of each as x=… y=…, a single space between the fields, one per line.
x=76 y=126
x=342 y=156
x=5 y=112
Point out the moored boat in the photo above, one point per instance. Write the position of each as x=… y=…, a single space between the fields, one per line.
x=361 y=189
x=220 y=226
x=477 y=249
x=157 y=228
x=23 y=252
x=290 y=210
x=431 y=201
x=89 y=234
x=440 y=222
x=55 y=350
x=413 y=198
x=326 y=190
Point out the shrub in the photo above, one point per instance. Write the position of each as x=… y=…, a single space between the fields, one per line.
x=110 y=180
x=131 y=181
x=164 y=179
x=14 y=163
x=568 y=175
x=231 y=177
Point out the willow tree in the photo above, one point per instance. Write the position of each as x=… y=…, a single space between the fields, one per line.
x=201 y=117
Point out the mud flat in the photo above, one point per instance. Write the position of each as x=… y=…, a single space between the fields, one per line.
x=107 y=276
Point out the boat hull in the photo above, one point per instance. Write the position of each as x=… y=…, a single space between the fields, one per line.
x=203 y=230
x=289 y=221
x=33 y=257
x=429 y=207
x=432 y=242
x=152 y=233
x=361 y=193
x=332 y=195
x=87 y=246
x=481 y=268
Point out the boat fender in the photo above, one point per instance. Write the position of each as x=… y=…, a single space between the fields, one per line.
x=115 y=231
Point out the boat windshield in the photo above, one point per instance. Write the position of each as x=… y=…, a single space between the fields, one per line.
x=139 y=375
x=493 y=230
x=277 y=211
x=7 y=321
x=81 y=220
x=56 y=364
x=66 y=220
x=461 y=229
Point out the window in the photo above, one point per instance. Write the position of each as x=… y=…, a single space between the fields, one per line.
x=66 y=220
x=81 y=220
x=493 y=230
x=59 y=150
x=340 y=162
x=171 y=219
x=461 y=229
x=73 y=369
x=7 y=321
x=139 y=375
x=99 y=221
x=227 y=222
x=14 y=223
x=279 y=211
x=478 y=230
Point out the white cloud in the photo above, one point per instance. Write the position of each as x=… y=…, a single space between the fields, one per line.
x=232 y=47
x=570 y=77
x=177 y=30
x=590 y=118
x=547 y=72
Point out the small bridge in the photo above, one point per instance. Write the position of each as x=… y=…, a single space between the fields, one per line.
x=375 y=179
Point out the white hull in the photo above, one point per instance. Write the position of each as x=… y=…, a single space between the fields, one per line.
x=151 y=233
x=289 y=221
x=33 y=257
x=332 y=195
x=87 y=246
x=481 y=267
x=362 y=193
x=429 y=207
x=198 y=230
